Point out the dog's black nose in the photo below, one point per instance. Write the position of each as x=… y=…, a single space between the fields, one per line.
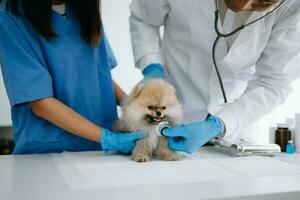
x=158 y=113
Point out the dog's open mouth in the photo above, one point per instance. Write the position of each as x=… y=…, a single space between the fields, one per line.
x=153 y=119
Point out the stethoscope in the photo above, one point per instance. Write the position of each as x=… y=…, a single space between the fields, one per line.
x=224 y=35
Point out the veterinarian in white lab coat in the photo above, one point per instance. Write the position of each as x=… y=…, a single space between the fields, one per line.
x=257 y=65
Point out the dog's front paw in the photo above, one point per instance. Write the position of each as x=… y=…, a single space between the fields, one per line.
x=171 y=157
x=140 y=157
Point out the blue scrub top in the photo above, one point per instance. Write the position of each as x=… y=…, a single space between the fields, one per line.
x=65 y=68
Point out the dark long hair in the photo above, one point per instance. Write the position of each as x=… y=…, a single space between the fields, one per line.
x=38 y=12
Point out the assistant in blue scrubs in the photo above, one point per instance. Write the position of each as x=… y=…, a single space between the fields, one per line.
x=66 y=68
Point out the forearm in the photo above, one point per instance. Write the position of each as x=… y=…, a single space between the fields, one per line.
x=275 y=70
x=146 y=48
x=119 y=92
x=64 y=117
x=145 y=21
x=261 y=97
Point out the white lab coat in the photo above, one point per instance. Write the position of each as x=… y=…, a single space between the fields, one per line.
x=257 y=70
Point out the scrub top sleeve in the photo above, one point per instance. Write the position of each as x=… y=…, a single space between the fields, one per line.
x=25 y=78
x=110 y=55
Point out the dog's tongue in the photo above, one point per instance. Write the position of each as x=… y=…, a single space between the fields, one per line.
x=157 y=119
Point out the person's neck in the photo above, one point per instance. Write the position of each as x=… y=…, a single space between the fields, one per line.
x=57 y=2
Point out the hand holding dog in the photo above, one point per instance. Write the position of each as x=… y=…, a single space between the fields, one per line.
x=121 y=142
x=188 y=138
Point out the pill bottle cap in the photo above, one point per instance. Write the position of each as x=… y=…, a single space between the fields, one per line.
x=291 y=142
x=282 y=125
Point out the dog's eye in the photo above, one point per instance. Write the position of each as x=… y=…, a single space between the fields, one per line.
x=150 y=107
x=163 y=108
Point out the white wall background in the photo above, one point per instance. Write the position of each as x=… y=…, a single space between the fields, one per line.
x=115 y=15
x=4 y=106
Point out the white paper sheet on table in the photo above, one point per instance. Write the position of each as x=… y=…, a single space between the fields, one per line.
x=255 y=166
x=94 y=170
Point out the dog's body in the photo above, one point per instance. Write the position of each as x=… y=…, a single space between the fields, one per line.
x=149 y=104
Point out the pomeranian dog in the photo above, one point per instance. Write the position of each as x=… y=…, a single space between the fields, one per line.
x=150 y=103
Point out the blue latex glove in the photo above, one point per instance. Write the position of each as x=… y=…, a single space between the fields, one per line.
x=154 y=71
x=189 y=138
x=122 y=142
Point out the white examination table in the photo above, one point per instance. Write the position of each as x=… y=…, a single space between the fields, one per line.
x=208 y=174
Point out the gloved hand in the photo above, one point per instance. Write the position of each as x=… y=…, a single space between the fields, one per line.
x=188 y=138
x=122 y=142
x=154 y=71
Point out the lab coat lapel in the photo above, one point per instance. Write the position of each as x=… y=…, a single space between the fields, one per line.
x=244 y=36
x=208 y=9
x=249 y=32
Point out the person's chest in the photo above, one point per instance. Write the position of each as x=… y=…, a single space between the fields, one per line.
x=193 y=22
x=67 y=55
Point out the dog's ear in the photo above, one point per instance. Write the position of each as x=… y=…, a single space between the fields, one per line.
x=171 y=87
x=137 y=90
x=134 y=93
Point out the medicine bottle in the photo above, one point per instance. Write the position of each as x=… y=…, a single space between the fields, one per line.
x=290 y=148
x=282 y=136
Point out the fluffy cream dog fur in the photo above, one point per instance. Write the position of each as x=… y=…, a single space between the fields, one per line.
x=150 y=103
